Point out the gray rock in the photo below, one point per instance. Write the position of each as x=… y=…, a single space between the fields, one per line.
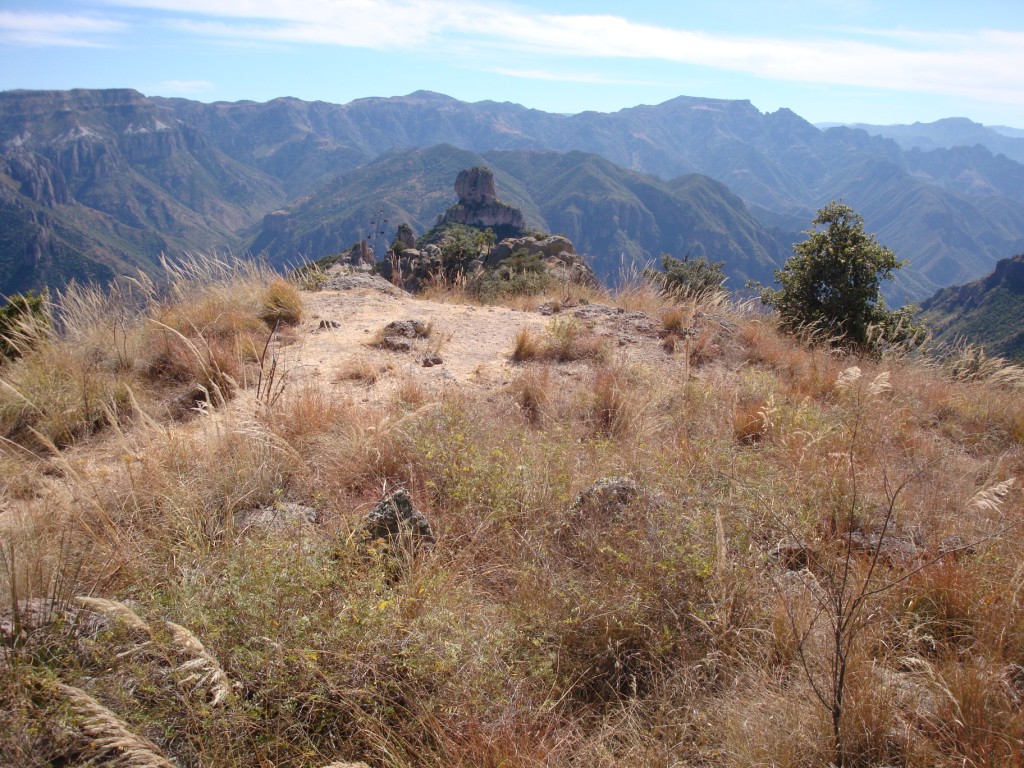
x=405 y=236
x=891 y=548
x=32 y=614
x=475 y=185
x=407 y=329
x=394 y=517
x=608 y=498
x=276 y=517
x=395 y=344
x=556 y=245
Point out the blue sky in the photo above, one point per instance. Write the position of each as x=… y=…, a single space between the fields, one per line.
x=876 y=61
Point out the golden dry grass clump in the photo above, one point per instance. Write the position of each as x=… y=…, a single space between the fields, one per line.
x=138 y=346
x=767 y=553
x=565 y=340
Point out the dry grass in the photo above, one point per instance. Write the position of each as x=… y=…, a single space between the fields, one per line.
x=674 y=628
x=614 y=410
x=107 y=733
x=281 y=303
x=565 y=340
x=675 y=320
x=135 y=347
x=361 y=369
x=527 y=346
x=532 y=393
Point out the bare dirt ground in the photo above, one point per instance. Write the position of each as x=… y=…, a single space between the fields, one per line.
x=335 y=342
x=473 y=343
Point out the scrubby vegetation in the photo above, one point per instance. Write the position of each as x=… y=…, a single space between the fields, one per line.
x=688 y=276
x=21 y=318
x=831 y=285
x=795 y=557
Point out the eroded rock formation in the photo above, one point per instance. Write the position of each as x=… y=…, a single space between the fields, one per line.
x=480 y=207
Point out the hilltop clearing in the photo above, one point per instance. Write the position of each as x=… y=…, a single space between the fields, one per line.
x=248 y=525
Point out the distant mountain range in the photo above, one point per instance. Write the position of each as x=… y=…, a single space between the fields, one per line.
x=93 y=183
x=948 y=133
x=989 y=312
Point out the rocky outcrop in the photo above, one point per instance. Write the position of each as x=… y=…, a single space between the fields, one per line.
x=475 y=185
x=40 y=179
x=558 y=253
x=480 y=207
x=276 y=223
x=359 y=256
x=404 y=238
x=395 y=518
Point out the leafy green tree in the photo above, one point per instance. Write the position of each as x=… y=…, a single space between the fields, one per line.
x=484 y=240
x=688 y=276
x=832 y=283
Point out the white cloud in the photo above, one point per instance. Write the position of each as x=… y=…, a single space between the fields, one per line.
x=986 y=64
x=56 y=29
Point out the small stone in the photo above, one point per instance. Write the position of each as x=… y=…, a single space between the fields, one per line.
x=431 y=360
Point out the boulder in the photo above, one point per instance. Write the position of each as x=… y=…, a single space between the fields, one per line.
x=604 y=511
x=395 y=517
x=607 y=499
x=891 y=548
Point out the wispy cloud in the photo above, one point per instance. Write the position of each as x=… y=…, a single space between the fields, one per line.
x=186 y=87
x=985 y=64
x=57 y=29
x=565 y=77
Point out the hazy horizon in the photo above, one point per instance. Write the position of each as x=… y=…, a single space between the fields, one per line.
x=867 y=61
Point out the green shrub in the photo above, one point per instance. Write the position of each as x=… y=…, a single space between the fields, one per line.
x=23 y=313
x=832 y=284
x=688 y=277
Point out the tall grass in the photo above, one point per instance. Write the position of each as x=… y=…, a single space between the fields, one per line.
x=139 y=346
x=682 y=626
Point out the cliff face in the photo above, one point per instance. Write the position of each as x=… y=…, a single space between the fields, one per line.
x=479 y=206
x=988 y=312
x=105 y=181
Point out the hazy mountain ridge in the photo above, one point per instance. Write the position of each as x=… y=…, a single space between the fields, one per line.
x=180 y=174
x=951 y=132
